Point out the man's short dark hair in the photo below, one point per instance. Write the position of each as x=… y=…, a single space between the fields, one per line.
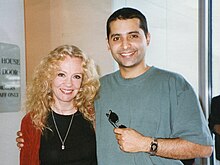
x=127 y=13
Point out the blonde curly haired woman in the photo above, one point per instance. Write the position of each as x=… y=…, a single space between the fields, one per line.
x=58 y=127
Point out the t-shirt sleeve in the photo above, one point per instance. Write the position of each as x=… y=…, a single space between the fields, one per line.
x=189 y=122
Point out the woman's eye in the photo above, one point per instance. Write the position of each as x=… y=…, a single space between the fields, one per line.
x=60 y=75
x=77 y=76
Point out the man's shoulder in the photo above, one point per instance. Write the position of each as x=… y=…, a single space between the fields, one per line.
x=174 y=79
x=167 y=73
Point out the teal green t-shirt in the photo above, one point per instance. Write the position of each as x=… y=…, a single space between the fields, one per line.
x=158 y=104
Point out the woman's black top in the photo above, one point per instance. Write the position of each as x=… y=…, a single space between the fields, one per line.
x=80 y=144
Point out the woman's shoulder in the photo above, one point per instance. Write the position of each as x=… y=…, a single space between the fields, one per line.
x=27 y=123
x=27 y=118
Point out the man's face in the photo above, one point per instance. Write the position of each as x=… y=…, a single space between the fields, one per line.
x=128 y=42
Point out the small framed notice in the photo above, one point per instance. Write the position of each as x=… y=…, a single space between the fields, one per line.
x=10 y=94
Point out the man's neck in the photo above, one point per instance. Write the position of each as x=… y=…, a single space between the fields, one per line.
x=128 y=73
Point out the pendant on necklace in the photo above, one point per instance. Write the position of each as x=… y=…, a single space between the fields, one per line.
x=63 y=147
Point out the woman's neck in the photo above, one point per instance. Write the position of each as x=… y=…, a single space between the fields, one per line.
x=64 y=110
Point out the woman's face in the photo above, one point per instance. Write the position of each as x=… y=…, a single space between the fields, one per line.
x=68 y=80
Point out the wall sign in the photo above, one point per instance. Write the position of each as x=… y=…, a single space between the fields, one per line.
x=10 y=94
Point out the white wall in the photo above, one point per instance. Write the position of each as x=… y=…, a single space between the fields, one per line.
x=11 y=31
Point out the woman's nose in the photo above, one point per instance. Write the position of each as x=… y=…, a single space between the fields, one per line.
x=68 y=82
x=72 y=83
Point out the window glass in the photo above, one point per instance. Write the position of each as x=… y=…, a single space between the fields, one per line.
x=215 y=48
x=215 y=56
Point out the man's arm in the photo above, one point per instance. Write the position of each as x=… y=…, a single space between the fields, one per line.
x=182 y=149
x=130 y=140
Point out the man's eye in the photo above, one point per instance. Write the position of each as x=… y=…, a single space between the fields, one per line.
x=60 y=75
x=134 y=36
x=115 y=38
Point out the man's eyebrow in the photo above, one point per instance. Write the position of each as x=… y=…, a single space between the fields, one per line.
x=136 y=32
x=131 y=32
x=114 y=35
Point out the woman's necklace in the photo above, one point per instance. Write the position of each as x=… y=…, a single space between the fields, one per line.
x=67 y=132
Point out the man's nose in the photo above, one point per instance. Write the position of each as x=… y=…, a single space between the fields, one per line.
x=125 y=43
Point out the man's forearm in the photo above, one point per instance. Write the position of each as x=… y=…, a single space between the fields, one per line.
x=179 y=149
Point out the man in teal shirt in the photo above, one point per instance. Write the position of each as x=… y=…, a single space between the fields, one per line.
x=162 y=114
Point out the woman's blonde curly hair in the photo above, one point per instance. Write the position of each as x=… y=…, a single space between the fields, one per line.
x=39 y=94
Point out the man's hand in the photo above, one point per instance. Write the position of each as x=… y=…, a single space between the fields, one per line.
x=19 y=140
x=130 y=140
